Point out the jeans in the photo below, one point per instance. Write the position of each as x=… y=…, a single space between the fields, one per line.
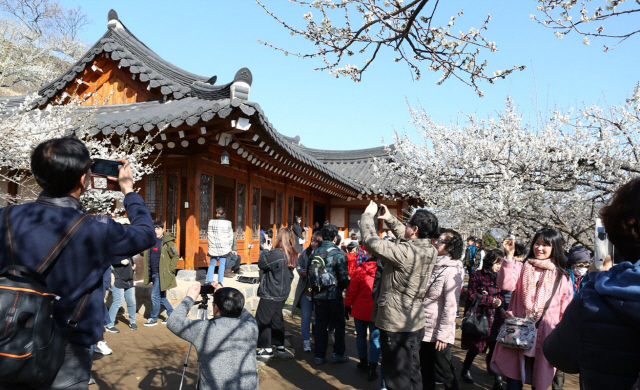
x=129 y=294
x=401 y=359
x=361 y=340
x=158 y=298
x=306 y=307
x=329 y=311
x=212 y=268
x=75 y=370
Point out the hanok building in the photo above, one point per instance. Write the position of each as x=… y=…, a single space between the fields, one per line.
x=215 y=148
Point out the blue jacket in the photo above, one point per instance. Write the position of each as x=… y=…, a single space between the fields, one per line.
x=79 y=269
x=599 y=335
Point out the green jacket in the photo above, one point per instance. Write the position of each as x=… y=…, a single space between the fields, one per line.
x=336 y=265
x=169 y=257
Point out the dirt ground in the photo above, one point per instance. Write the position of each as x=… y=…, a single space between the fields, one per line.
x=153 y=358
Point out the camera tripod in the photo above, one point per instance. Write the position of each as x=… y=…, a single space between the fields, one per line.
x=202 y=314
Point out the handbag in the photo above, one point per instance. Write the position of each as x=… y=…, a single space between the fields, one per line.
x=476 y=324
x=247 y=279
x=520 y=333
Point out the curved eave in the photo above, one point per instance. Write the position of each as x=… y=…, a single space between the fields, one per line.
x=120 y=45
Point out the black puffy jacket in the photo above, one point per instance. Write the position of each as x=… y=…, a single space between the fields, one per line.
x=599 y=335
x=275 y=275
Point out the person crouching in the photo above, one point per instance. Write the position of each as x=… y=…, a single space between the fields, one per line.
x=225 y=343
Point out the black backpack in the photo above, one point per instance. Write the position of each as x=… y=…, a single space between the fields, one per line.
x=32 y=346
x=318 y=278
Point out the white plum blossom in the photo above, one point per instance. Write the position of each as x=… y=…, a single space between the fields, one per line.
x=505 y=173
x=22 y=128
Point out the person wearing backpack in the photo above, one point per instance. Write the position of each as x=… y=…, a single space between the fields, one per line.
x=328 y=303
x=62 y=167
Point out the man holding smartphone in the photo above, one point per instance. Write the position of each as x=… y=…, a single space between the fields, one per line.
x=398 y=311
x=62 y=167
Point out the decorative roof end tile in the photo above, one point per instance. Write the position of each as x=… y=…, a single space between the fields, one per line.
x=113 y=21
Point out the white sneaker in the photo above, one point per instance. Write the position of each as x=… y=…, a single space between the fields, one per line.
x=92 y=381
x=306 y=345
x=101 y=347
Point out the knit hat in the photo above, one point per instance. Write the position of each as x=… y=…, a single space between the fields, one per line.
x=158 y=224
x=352 y=245
x=578 y=254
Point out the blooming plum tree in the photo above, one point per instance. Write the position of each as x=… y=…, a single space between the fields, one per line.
x=23 y=128
x=350 y=34
x=588 y=17
x=502 y=172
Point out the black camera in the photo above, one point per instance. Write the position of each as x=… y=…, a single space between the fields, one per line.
x=207 y=289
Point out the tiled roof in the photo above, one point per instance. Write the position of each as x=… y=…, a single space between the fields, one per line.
x=119 y=44
x=357 y=165
x=195 y=101
x=148 y=117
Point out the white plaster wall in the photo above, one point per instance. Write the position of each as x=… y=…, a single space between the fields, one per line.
x=337 y=217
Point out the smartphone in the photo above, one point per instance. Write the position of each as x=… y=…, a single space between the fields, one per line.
x=102 y=167
x=380 y=210
x=268 y=241
x=601 y=247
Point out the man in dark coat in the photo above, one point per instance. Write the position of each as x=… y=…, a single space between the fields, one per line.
x=62 y=167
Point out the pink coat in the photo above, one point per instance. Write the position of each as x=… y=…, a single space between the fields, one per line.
x=508 y=361
x=441 y=301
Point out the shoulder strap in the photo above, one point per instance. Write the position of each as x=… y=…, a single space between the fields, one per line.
x=434 y=280
x=54 y=253
x=10 y=236
x=555 y=288
x=57 y=248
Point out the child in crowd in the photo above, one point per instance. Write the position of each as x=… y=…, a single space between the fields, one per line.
x=359 y=304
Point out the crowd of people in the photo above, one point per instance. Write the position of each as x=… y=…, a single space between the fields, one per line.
x=402 y=291
x=536 y=311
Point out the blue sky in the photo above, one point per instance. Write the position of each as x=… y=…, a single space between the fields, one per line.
x=219 y=37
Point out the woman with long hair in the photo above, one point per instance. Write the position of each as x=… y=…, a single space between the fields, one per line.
x=303 y=294
x=533 y=283
x=484 y=290
x=440 y=307
x=276 y=274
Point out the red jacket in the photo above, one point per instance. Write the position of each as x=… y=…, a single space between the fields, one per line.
x=359 y=291
x=352 y=263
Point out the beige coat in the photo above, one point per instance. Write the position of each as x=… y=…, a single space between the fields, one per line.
x=407 y=268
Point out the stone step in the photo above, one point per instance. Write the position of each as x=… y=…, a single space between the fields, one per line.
x=185 y=278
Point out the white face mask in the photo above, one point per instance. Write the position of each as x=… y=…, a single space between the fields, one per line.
x=579 y=271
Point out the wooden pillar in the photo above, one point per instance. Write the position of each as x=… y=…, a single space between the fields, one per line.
x=192 y=230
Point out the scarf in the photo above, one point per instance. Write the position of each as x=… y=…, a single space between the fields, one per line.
x=537 y=293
